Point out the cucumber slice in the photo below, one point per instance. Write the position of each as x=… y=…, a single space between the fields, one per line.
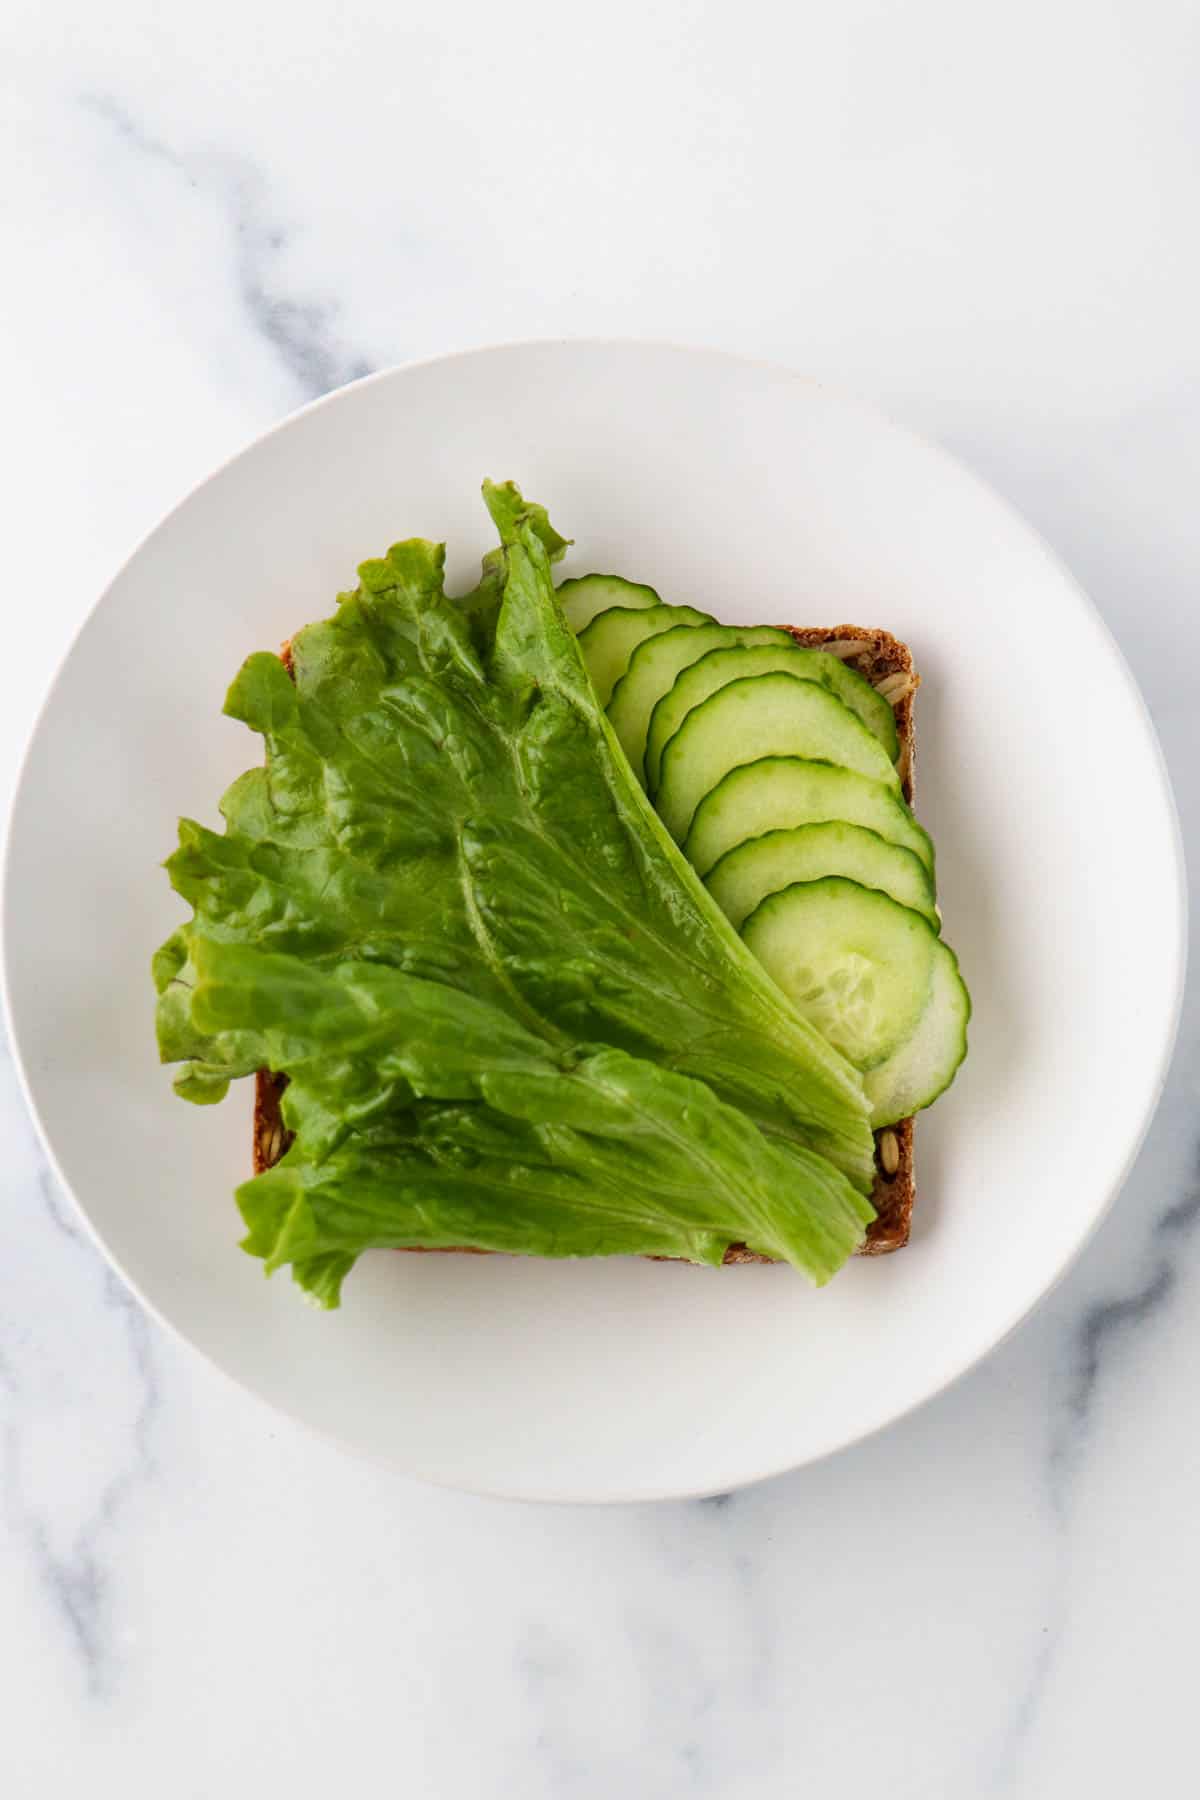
x=926 y=1063
x=613 y=636
x=584 y=596
x=720 y=667
x=857 y=966
x=782 y=791
x=765 y=865
x=764 y=715
x=654 y=666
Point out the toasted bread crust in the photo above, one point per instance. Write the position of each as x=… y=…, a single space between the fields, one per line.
x=894 y=1194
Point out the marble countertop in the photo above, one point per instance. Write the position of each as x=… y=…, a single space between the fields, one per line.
x=982 y=219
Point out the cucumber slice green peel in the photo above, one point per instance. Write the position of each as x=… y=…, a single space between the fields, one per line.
x=924 y=1065
x=653 y=669
x=779 y=792
x=583 y=596
x=765 y=865
x=721 y=666
x=854 y=963
x=608 y=642
x=762 y=715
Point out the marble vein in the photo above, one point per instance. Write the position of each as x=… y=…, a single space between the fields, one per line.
x=1100 y=1331
x=50 y=1427
x=1112 y=1321
x=70 y=1542
x=301 y=330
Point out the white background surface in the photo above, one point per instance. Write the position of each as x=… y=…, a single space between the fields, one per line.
x=983 y=220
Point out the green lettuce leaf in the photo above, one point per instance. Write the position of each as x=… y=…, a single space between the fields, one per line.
x=469 y=817
x=442 y=798
x=483 y=602
x=425 y=1117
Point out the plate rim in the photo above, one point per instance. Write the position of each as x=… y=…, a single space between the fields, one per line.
x=1167 y=1029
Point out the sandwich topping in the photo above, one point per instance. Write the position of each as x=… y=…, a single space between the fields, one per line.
x=494 y=953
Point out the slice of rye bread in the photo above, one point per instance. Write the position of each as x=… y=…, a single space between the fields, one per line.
x=876 y=655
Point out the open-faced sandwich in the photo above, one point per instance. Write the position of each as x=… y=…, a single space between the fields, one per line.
x=564 y=922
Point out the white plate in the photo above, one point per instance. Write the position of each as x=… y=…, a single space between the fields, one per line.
x=754 y=494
